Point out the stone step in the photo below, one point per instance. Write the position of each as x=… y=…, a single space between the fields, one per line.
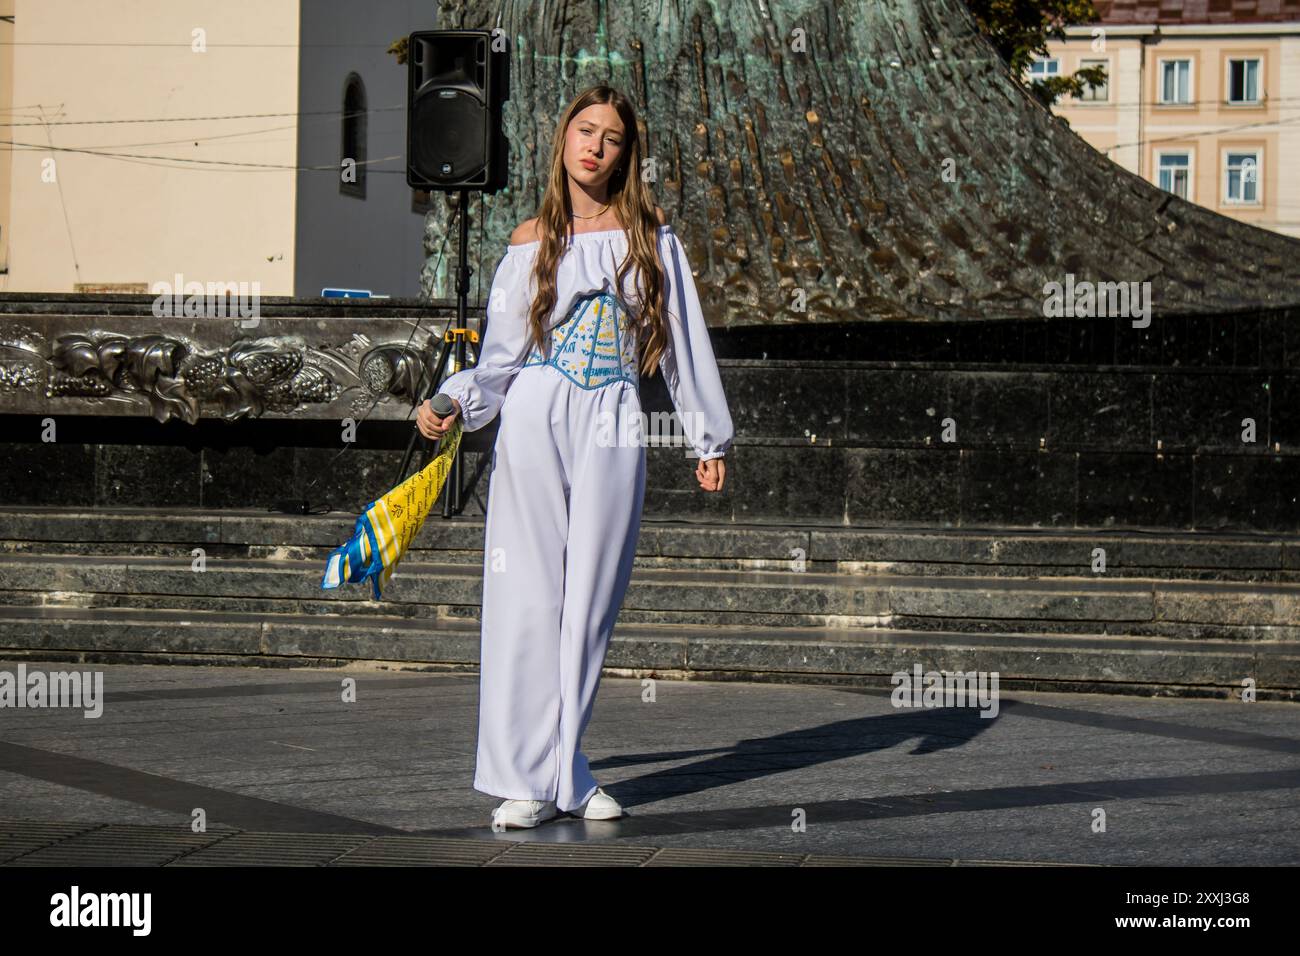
x=1193 y=609
x=758 y=546
x=1173 y=613
x=865 y=656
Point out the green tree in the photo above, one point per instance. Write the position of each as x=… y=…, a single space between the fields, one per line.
x=1020 y=29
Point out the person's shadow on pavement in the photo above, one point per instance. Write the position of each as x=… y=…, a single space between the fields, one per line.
x=934 y=729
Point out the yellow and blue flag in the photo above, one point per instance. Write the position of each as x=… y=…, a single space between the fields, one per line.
x=388 y=525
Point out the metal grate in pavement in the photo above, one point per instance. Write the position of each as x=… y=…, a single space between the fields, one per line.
x=47 y=843
x=110 y=845
x=252 y=848
x=1015 y=863
x=698 y=856
x=423 y=851
x=20 y=837
x=574 y=854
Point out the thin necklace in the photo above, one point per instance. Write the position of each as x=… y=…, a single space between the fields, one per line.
x=576 y=216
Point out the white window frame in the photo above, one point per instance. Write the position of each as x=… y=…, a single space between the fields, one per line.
x=1045 y=60
x=1191 y=168
x=1082 y=99
x=1160 y=80
x=1259 y=80
x=1258 y=152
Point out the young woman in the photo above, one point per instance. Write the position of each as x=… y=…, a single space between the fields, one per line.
x=570 y=330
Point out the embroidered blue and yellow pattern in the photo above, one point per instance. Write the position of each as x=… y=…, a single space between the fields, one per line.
x=595 y=346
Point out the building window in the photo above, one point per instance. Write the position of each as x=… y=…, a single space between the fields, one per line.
x=1044 y=69
x=352 y=161
x=1175 y=171
x=1243 y=80
x=1097 y=94
x=1175 y=81
x=1241 y=176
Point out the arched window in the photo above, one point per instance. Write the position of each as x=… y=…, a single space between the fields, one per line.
x=354 y=138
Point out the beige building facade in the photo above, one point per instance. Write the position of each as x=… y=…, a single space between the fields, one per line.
x=157 y=139
x=122 y=173
x=1209 y=111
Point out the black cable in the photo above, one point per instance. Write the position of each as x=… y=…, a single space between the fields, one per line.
x=415 y=328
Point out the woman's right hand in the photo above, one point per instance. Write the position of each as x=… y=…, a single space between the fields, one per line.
x=429 y=424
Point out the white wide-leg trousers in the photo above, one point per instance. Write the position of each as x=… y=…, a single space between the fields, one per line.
x=562 y=522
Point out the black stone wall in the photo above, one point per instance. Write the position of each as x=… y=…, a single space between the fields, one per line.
x=1061 y=423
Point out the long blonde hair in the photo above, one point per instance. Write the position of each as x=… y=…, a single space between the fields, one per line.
x=635 y=209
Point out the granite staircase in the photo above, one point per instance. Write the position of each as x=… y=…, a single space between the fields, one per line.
x=1186 y=613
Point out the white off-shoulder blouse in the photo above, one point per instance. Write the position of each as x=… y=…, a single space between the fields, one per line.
x=586 y=275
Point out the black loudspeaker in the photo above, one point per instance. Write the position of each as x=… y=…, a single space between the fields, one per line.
x=457 y=81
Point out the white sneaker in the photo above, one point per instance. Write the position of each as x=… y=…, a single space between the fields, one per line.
x=599 y=806
x=523 y=813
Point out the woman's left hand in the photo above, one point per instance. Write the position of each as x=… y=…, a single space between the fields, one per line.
x=711 y=474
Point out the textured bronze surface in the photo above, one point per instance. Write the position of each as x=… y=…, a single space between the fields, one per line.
x=819 y=174
x=288 y=366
